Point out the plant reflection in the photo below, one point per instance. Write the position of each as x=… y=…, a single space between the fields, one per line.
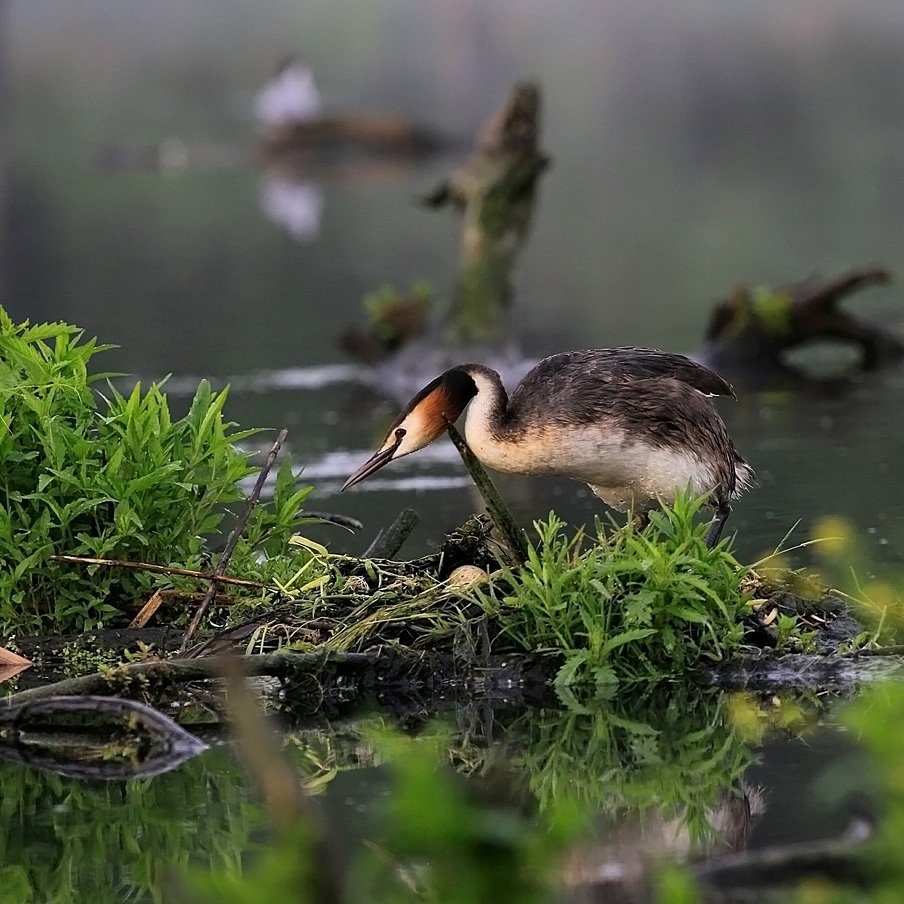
x=521 y=799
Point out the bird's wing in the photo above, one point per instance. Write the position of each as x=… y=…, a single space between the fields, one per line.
x=626 y=365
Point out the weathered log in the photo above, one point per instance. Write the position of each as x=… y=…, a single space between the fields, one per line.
x=752 y=328
x=495 y=192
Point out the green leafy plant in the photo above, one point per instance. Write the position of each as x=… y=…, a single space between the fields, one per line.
x=637 y=604
x=107 y=476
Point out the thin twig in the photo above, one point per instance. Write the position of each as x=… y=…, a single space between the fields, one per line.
x=512 y=536
x=147 y=611
x=232 y=540
x=162 y=569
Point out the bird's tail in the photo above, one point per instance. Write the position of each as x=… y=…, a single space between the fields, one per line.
x=745 y=478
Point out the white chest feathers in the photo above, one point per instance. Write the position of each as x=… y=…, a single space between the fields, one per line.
x=624 y=472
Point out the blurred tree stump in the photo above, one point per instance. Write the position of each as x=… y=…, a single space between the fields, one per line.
x=753 y=327
x=495 y=192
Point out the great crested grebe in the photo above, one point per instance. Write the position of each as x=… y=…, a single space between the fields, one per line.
x=633 y=423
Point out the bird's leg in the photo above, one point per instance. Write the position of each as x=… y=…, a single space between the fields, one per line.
x=723 y=510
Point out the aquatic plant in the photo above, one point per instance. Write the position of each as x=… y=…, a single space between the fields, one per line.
x=637 y=604
x=108 y=476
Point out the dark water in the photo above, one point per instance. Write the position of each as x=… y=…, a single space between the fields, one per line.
x=655 y=777
x=691 y=150
x=694 y=147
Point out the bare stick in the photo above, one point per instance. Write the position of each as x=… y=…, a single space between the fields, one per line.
x=232 y=540
x=512 y=536
x=162 y=569
x=389 y=540
x=284 y=797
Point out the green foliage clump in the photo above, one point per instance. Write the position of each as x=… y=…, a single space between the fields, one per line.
x=636 y=605
x=105 y=477
x=773 y=310
x=396 y=316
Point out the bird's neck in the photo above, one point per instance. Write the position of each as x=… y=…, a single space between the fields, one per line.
x=488 y=426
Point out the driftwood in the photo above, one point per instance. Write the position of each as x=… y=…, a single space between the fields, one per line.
x=495 y=193
x=381 y=134
x=753 y=328
x=93 y=737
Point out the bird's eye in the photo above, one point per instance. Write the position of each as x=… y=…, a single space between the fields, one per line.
x=400 y=434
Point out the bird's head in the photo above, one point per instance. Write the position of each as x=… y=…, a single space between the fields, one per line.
x=422 y=420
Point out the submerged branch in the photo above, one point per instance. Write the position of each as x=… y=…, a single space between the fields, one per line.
x=781 y=865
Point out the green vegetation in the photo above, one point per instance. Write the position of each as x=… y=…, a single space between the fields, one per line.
x=635 y=605
x=112 y=476
x=394 y=315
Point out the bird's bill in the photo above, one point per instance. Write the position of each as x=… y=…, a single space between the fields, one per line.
x=422 y=420
x=371 y=466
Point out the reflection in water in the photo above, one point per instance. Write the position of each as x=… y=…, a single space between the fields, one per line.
x=294 y=204
x=95 y=738
x=664 y=772
x=111 y=842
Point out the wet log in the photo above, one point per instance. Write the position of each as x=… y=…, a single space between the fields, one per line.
x=310 y=680
x=753 y=328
